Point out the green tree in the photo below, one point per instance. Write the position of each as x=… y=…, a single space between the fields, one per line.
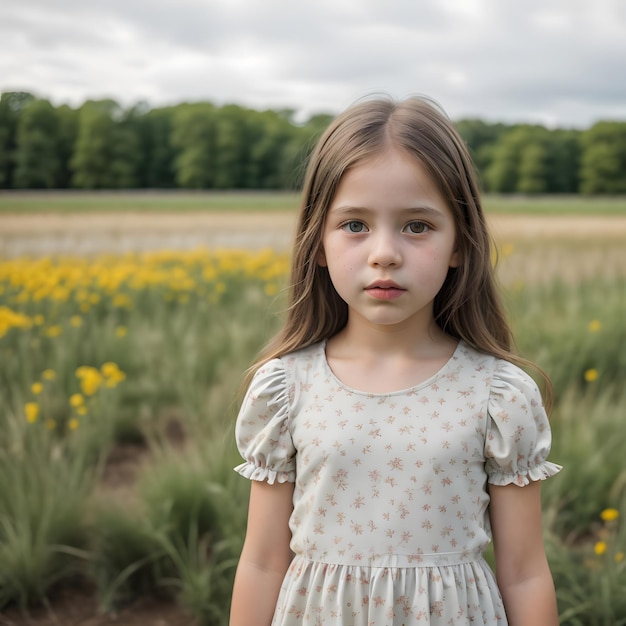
x=67 y=130
x=127 y=155
x=232 y=147
x=303 y=143
x=273 y=147
x=36 y=159
x=194 y=138
x=107 y=154
x=157 y=167
x=11 y=105
x=502 y=174
x=532 y=169
x=520 y=161
x=603 y=161
x=563 y=161
x=480 y=137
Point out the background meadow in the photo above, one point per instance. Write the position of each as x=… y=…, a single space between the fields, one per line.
x=119 y=385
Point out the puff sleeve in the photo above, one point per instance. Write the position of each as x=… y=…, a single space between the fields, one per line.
x=261 y=430
x=518 y=436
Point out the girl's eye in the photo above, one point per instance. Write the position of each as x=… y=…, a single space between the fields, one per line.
x=417 y=228
x=354 y=227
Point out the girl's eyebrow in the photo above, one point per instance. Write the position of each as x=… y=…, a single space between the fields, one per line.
x=348 y=210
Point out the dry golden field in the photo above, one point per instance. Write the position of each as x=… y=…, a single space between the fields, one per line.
x=545 y=247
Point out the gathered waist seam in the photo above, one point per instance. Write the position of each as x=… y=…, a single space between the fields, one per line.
x=407 y=561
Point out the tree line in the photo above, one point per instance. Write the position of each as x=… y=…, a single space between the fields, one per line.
x=101 y=145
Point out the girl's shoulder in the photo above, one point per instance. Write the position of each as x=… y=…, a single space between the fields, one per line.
x=304 y=358
x=499 y=375
x=284 y=367
x=306 y=352
x=508 y=375
x=294 y=372
x=469 y=361
x=496 y=367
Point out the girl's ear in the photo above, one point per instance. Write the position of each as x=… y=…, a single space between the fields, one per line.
x=454 y=259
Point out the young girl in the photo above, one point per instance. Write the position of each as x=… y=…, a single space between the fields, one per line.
x=387 y=431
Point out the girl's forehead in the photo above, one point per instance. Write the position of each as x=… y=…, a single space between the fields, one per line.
x=383 y=158
x=383 y=155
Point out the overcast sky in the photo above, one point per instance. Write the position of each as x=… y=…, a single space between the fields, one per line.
x=560 y=62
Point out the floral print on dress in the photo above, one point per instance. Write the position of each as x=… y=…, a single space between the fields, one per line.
x=390 y=513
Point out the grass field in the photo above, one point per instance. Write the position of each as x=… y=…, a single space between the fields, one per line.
x=119 y=376
x=184 y=201
x=145 y=201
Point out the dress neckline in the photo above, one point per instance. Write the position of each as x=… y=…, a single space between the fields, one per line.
x=442 y=371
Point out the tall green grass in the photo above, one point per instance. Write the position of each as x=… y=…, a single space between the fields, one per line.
x=189 y=332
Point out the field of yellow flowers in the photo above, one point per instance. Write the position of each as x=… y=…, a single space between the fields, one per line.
x=98 y=353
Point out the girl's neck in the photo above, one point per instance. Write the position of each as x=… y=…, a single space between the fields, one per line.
x=363 y=339
x=384 y=360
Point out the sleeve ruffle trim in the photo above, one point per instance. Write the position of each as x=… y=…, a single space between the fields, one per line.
x=524 y=477
x=265 y=474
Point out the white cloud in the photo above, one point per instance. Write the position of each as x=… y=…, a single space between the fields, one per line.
x=561 y=63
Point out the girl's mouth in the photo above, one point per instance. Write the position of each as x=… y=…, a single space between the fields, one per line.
x=384 y=290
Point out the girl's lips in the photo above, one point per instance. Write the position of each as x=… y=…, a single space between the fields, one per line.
x=385 y=291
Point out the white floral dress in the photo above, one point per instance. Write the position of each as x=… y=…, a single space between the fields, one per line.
x=390 y=503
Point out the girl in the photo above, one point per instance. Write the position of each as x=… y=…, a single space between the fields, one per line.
x=387 y=430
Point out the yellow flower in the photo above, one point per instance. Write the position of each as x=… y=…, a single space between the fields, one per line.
x=76 y=321
x=271 y=289
x=49 y=374
x=595 y=326
x=73 y=424
x=609 y=515
x=121 y=300
x=50 y=424
x=36 y=388
x=209 y=274
x=81 y=410
x=591 y=375
x=112 y=373
x=600 y=548
x=31 y=410
x=84 y=307
x=619 y=557
x=39 y=320
x=76 y=400
x=11 y=319
x=60 y=293
x=121 y=331
x=53 y=331
x=90 y=380
x=109 y=368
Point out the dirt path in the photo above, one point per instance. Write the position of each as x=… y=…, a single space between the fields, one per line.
x=93 y=233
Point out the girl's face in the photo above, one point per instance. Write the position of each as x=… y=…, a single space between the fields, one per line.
x=388 y=242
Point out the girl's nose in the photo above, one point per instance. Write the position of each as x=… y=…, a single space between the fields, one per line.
x=385 y=251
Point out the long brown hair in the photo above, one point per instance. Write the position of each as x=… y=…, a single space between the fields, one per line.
x=469 y=305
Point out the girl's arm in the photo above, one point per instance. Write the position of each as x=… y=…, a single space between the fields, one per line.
x=265 y=556
x=522 y=570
